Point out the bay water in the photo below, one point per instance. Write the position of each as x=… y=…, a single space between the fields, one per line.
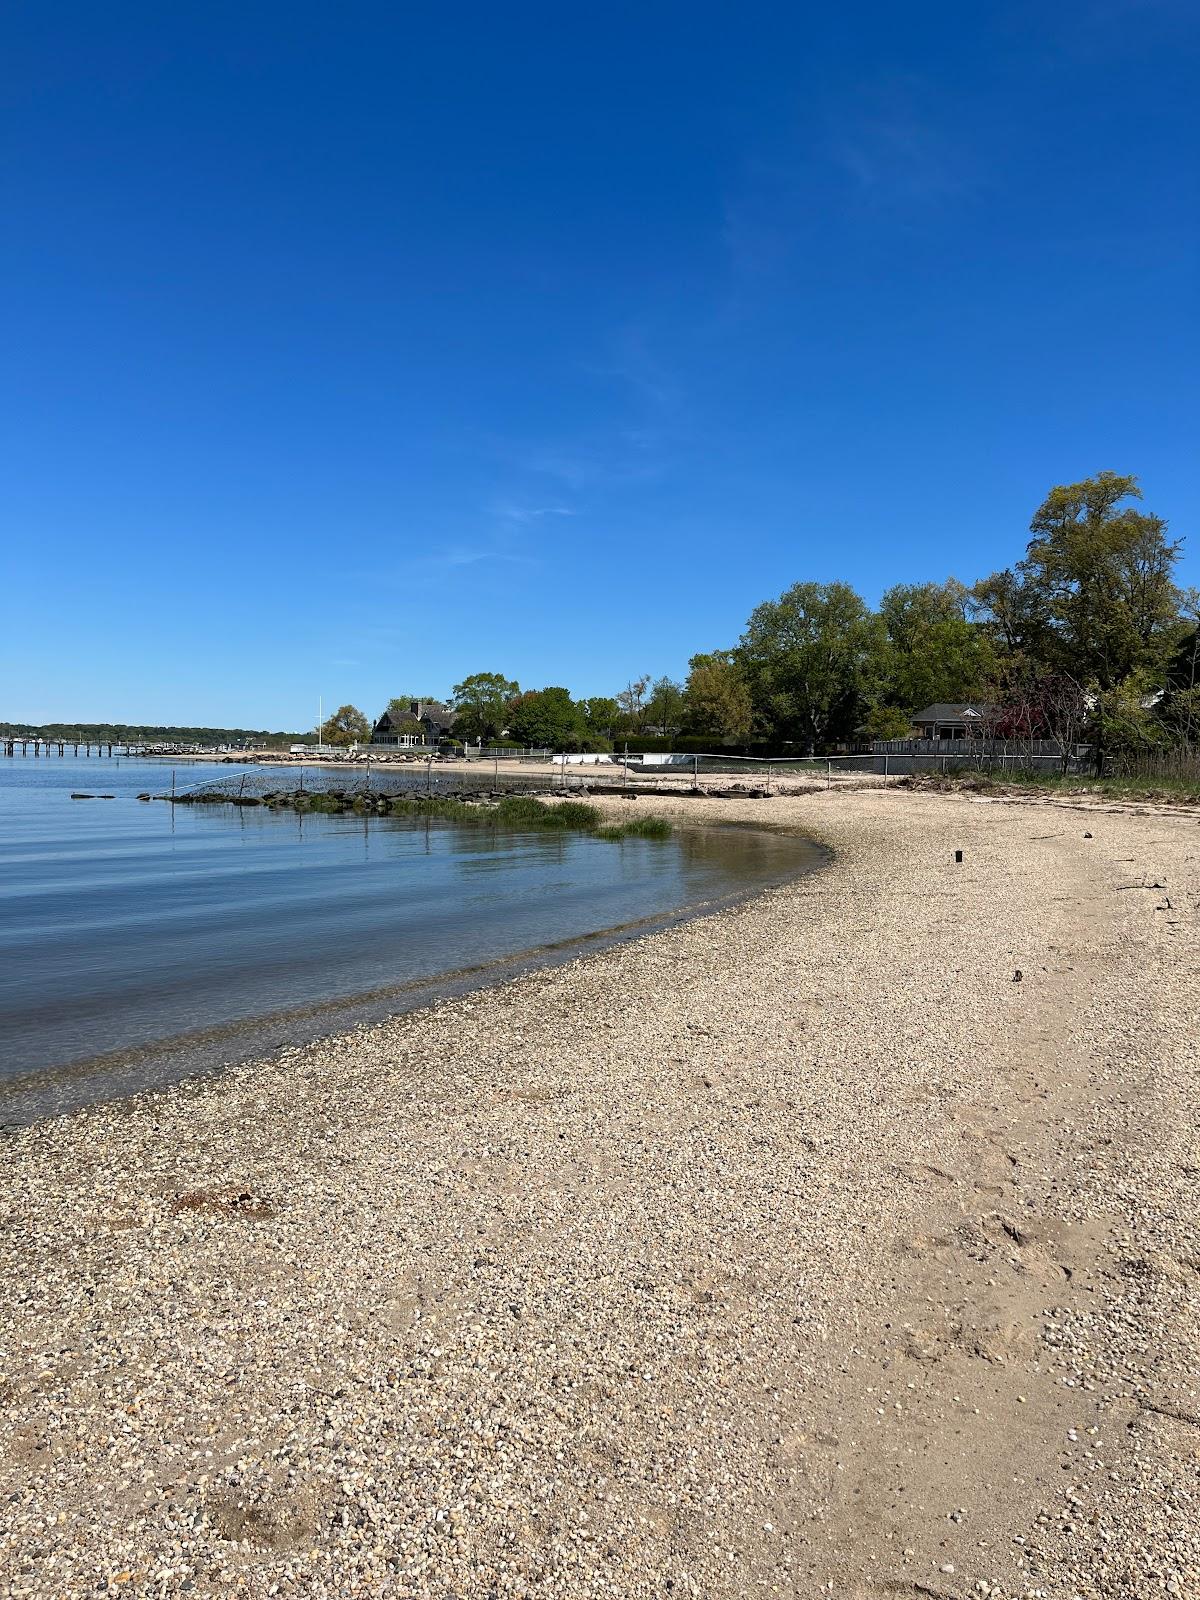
x=141 y=941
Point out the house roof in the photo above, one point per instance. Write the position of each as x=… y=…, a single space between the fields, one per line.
x=431 y=712
x=942 y=711
x=436 y=710
x=389 y=724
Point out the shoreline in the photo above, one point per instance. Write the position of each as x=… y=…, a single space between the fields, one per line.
x=797 y=1245
x=70 y=1087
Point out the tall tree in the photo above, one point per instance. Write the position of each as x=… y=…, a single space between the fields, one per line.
x=482 y=702
x=1181 y=706
x=1012 y=613
x=347 y=725
x=548 y=718
x=664 y=706
x=600 y=714
x=632 y=701
x=1102 y=573
x=814 y=659
x=936 y=653
x=717 y=696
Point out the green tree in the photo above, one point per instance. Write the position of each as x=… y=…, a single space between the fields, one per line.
x=482 y=702
x=1011 y=613
x=347 y=725
x=1101 y=573
x=814 y=659
x=548 y=718
x=717 y=697
x=600 y=714
x=887 y=722
x=665 y=706
x=632 y=701
x=1181 y=706
x=936 y=652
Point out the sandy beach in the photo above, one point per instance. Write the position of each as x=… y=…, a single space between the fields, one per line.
x=844 y=1242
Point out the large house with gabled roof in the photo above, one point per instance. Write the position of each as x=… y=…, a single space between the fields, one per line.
x=426 y=722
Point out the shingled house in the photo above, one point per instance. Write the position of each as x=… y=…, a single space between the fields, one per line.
x=945 y=721
x=425 y=722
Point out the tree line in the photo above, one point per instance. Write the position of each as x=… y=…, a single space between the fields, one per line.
x=1087 y=636
x=148 y=733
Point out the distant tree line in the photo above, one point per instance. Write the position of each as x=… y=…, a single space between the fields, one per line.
x=147 y=733
x=1087 y=636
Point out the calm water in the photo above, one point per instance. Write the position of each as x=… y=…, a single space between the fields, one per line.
x=142 y=941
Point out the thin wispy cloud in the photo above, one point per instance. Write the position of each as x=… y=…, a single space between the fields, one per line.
x=890 y=152
x=650 y=385
x=644 y=419
x=508 y=511
x=470 y=555
x=617 y=459
x=893 y=154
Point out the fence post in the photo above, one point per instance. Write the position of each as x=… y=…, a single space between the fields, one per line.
x=828 y=774
x=429 y=775
x=885 y=770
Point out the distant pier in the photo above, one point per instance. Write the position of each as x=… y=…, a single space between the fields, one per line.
x=16 y=745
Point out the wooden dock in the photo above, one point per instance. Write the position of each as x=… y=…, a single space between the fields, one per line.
x=16 y=745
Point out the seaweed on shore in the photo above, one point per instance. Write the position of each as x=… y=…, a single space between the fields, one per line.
x=523 y=811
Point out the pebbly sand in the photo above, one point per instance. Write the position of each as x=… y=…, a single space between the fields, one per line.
x=797 y=1250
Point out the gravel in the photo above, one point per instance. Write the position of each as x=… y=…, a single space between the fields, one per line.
x=796 y=1250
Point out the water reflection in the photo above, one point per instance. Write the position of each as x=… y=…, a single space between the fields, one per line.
x=126 y=925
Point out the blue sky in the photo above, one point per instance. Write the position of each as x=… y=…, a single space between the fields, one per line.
x=349 y=350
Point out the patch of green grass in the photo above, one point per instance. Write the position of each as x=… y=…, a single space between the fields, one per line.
x=436 y=806
x=523 y=811
x=638 y=828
